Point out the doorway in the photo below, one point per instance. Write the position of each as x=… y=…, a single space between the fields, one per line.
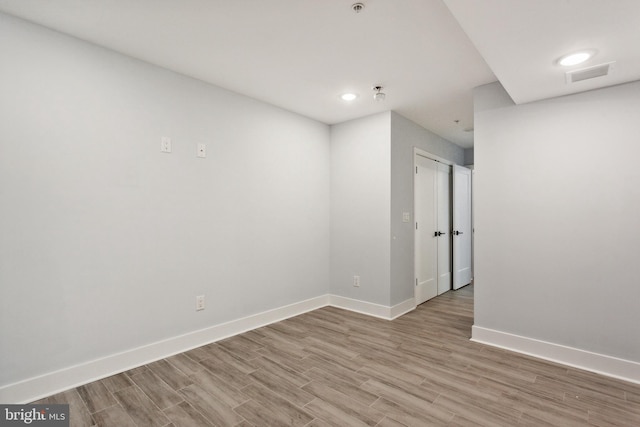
x=442 y=212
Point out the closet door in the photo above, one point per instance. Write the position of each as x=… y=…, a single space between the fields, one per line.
x=444 y=227
x=461 y=226
x=432 y=186
x=426 y=239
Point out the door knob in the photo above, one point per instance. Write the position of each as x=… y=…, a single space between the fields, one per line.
x=456 y=232
x=438 y=233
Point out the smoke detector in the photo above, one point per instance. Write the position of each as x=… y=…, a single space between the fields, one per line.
x=357 y=7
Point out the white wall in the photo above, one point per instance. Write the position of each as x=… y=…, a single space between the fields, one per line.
x=557 y=189
x=405 y=135
x=360 y=207
x=105 y=241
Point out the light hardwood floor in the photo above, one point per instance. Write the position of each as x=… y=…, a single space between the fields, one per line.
x=334 y=367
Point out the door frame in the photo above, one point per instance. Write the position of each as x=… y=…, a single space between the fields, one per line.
x=422 y=153
x=419 y=152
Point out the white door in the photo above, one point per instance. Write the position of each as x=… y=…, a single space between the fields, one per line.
x=461 y=226
x=426 y=253
x=433 y=225
x=444 y=227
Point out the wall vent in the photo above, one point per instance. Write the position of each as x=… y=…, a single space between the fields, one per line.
x=590 y=73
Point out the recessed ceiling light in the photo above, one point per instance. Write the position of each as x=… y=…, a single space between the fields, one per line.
x=348 y=96
x=575 y=58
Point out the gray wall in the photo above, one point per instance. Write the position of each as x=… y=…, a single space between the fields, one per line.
x=360 y=194
x=556 y=218
x=105 y=241
x=468 y=156
x=371 y=186
x=405 y=135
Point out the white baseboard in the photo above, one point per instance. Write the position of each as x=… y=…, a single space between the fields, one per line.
x=54 y=382
x=402 y=308
x=626 y=370
x=41 y=386
x=371 y=309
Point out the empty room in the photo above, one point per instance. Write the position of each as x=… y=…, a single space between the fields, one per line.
x=319 y=213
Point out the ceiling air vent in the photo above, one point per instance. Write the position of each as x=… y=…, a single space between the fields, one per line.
x=590 y=73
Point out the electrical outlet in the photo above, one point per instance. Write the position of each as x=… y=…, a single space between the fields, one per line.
x=165 y=144
x=356 y=281
x=200 y=302
x=406 y=216
x=202 y=151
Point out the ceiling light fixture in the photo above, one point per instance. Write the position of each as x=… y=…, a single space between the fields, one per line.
x=357 y=7
x=575 y=58
x=348 y=96
x=379 y=95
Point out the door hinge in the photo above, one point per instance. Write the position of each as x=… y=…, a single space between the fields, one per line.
x=416 y=281
x=416 y=169
x=416 y=225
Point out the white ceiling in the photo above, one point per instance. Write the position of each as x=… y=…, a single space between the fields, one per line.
x=522 y=41
x=302 y=54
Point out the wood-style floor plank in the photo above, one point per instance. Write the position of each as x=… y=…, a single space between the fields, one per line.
x=157 y=390
x=425 y=415
x=116 y=382
x=79 y=415
x=220 y=390
x=96 y=396
x=140 y=408
x=281 y=408
x=114 y=416
x=218 y=412
x=332 y=367
x=185 y=415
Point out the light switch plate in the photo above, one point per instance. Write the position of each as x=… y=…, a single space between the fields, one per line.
x=406 y=216
x=200 y=302
x=165 y=144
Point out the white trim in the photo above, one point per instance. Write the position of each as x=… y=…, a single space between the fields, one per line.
x=364 y=307
x=402 y=308
x=371 y=309
x=626 y=370
x=422 y=153
x=54 y=382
